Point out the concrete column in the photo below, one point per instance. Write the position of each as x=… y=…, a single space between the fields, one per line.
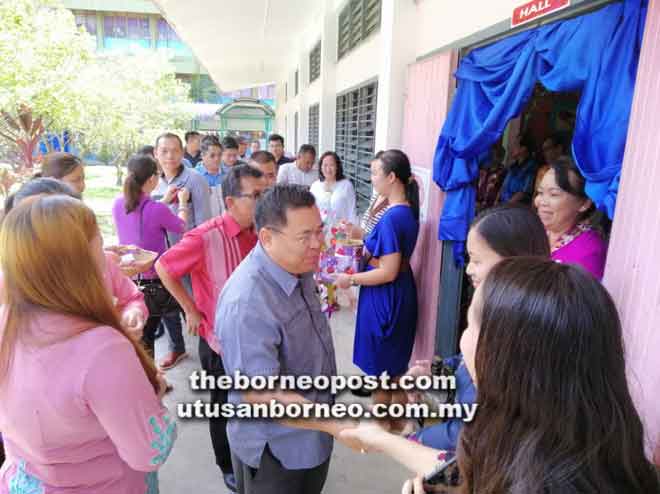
x=397 y=52
x=328 y=100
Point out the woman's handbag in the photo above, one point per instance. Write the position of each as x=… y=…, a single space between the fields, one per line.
x=159 y=301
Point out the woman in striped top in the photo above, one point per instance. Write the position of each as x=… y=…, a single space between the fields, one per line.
x=373 y=214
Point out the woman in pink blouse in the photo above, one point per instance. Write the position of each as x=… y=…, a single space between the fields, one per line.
x=565 y=211
x=80 y=405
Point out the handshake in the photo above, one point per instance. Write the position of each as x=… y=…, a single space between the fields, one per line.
x=363 y=436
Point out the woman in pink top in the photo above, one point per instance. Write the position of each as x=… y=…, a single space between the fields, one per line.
x=128 y=299
x=565 y=211
x=80 y=400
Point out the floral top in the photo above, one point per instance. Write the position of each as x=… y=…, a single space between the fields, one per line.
x=91 y=423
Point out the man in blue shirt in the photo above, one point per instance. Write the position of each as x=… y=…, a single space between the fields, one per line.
x=518 y=184
x=209 y=167
x=269 y=323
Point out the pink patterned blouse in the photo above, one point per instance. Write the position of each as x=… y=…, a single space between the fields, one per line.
x=78 y=413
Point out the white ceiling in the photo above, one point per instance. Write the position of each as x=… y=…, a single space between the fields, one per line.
x=242 y=43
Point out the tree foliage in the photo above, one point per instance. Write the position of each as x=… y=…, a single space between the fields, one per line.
x=52 y=78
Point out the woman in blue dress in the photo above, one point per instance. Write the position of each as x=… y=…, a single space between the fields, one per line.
x=387 y=307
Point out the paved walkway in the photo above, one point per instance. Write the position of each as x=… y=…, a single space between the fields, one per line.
x=191 y=467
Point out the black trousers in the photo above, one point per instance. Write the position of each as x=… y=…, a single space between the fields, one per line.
x=272 y=478
x=212 y=364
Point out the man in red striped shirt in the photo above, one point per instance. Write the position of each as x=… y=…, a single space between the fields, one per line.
x=210 y=253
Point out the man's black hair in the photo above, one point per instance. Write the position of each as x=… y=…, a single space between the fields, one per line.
x=192 y=133
x=276 y=201
x=307 y=148
x=232 y=186
x=229 y=143
x=209 y=141
x=276 y=137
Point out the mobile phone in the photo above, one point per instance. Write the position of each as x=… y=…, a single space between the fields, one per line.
x=444 y=475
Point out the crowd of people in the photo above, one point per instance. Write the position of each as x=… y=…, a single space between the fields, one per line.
x=236 y=234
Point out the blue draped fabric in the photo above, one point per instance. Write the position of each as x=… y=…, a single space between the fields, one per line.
x=596 y=54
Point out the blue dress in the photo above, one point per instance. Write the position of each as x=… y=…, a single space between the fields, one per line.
x=387 y=314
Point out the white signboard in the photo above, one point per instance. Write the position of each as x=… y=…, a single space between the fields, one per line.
x=423 y=177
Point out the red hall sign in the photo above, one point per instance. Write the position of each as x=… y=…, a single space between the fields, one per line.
x=536 y=9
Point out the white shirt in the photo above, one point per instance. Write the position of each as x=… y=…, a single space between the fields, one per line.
x=289 y=173
x=337 y=203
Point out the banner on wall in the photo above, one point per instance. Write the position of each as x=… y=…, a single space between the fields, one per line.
x=423 y=178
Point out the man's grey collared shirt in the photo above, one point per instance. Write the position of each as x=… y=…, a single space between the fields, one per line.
x=269 y=323
x=200 y=198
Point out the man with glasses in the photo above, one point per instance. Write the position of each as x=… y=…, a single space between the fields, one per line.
x=269 y=322
x=210 y=253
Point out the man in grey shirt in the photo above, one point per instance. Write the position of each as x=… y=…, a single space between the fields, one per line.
x=269 y=323
x=176 y=176
x=169 y=154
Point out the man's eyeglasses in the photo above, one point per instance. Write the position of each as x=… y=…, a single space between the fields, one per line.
x=254 y=196
x=304 y=239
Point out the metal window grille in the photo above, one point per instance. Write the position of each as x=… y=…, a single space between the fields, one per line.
x=357 y=21
x=355 y=137
x=295 y=131
x=315 y=63
x=313 y=126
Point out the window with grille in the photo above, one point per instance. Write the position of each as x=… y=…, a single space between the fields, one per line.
x=355 y=137
x=313 y=127
x=315 y=63
x=357 y=21
x=296 y=84
x=295 y=131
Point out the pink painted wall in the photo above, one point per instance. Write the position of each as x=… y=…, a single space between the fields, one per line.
x=428 y=92
x=633 y=268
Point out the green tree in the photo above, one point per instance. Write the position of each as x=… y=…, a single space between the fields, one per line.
x=42 y=53
x=128 y=101
x=51 y=79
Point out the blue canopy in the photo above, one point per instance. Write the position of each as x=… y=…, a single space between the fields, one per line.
x=596 y=54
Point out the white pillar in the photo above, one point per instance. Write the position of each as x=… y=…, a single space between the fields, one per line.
x=328 y=101
x=397 y=51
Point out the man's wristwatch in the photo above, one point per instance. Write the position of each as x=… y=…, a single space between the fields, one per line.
x=352 y=280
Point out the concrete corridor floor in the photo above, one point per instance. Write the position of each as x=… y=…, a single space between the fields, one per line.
x=191 y=467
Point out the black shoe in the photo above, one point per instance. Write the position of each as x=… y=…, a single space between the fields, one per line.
x=362 y=393
x=230 y=481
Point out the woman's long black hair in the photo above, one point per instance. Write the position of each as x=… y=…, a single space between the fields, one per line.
x=555 y=413
x=397 y=162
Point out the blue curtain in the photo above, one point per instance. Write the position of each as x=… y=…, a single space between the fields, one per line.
x=596 y=54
